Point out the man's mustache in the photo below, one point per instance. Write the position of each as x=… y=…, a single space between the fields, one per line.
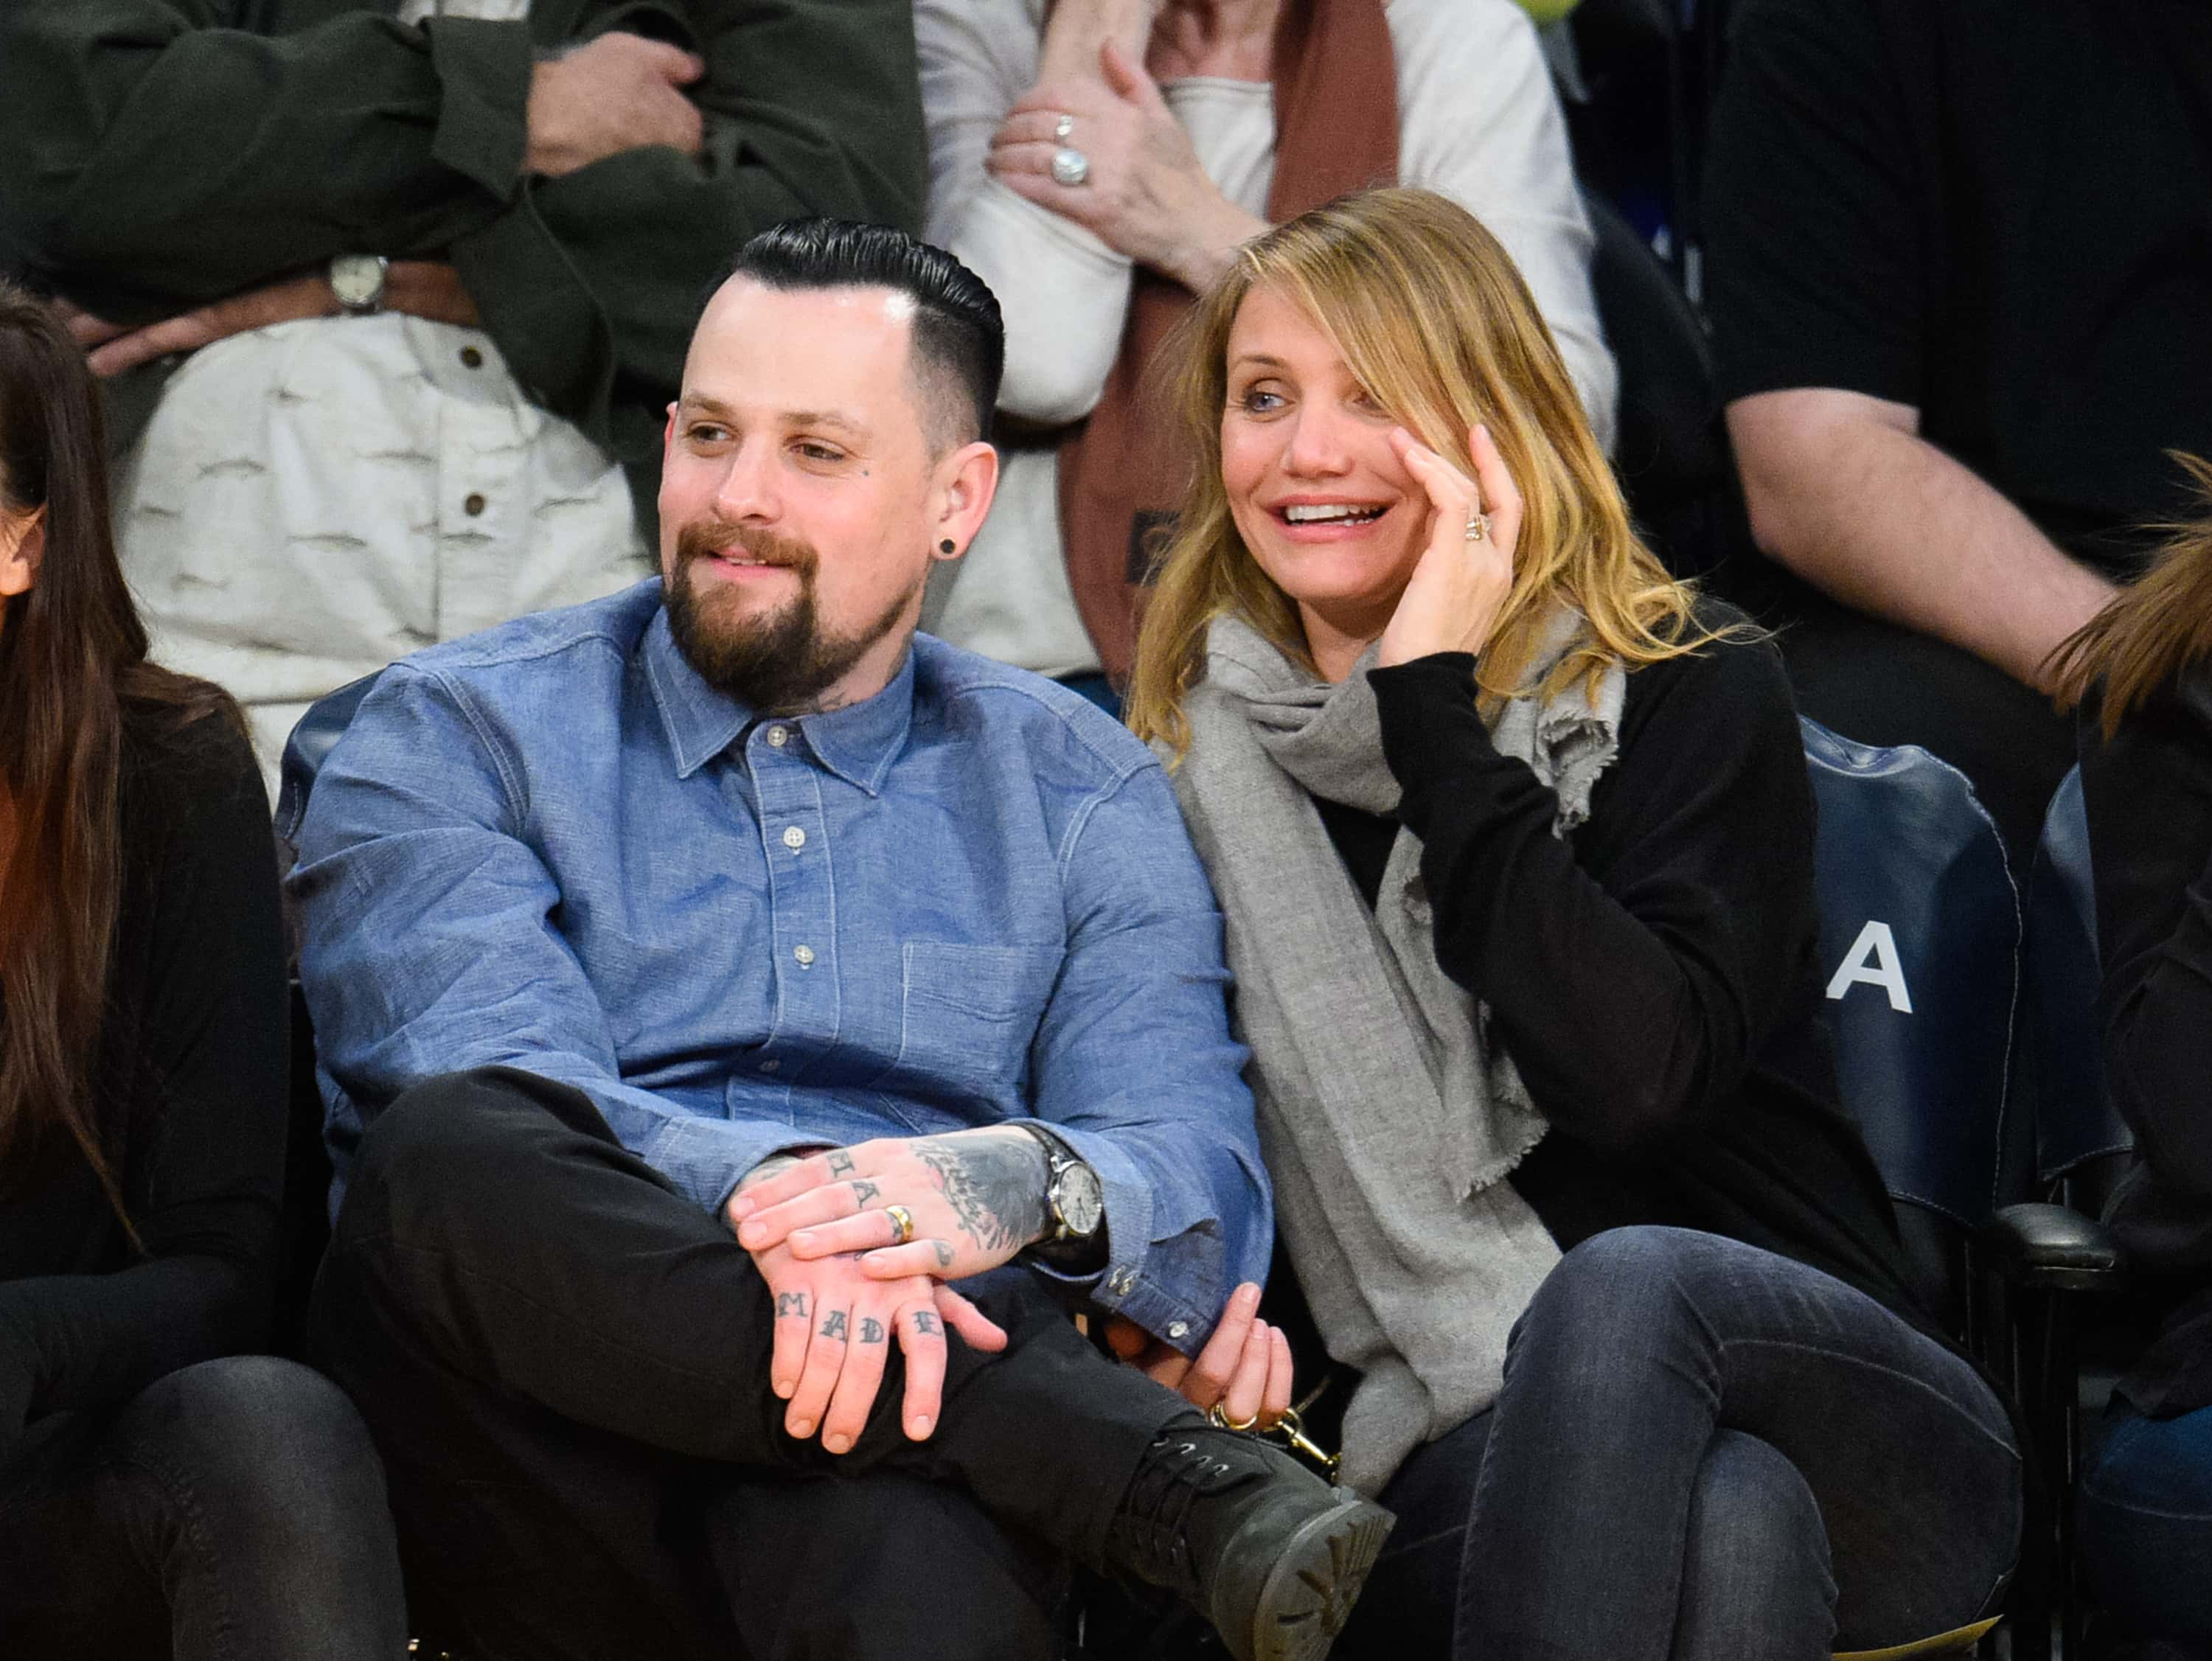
x=708 y=538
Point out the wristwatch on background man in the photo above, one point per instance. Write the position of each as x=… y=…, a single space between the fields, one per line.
x=358 y=282
x=1074 y=1203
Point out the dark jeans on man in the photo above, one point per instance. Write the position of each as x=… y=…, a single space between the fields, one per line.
x=1881 y=684
x=1703 y=1452
x=565 y=1364
x=231 y=1512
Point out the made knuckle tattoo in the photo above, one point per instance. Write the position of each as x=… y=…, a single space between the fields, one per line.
x=789 y=1304
x=834 y=1327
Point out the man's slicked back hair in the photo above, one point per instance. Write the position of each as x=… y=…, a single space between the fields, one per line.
x=957 y=330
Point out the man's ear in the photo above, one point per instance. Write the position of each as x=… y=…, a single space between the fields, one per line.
x=967 y=480
x=22 y=545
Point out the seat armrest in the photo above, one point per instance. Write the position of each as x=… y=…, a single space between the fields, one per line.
x=2051 y=1247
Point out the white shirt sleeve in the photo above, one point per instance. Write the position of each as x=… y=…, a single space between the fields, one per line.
x=1479 y=122
x=1064 y=292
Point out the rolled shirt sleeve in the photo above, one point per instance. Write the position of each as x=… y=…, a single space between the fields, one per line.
x=1135 y=1067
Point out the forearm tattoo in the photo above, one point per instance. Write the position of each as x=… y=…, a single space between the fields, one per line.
x=994 y=1183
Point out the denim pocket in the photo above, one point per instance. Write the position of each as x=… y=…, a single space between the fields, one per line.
x=968 y=1015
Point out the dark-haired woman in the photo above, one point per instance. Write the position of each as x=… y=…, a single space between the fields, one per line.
x=2141 y=670
x=161 y=1491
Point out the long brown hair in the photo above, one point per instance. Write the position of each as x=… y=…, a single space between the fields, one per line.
x=72 y=669
x=1436 y=323
x=2151 y=631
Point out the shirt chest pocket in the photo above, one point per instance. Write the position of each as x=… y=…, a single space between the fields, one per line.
x=968 y=1015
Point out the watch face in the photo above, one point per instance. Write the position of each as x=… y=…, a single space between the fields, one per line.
x=357 y=279
x=1082 y=1206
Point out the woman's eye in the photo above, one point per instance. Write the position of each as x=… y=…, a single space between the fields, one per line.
x=1259 y=401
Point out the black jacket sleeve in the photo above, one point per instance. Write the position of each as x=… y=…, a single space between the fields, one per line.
x=2149 y=798
x=203 y=1176
x=1633 y=969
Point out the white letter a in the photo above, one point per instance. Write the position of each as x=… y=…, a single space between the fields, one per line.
x=1872 y=961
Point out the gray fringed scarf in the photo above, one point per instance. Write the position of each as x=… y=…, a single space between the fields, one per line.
x=1386 y=1118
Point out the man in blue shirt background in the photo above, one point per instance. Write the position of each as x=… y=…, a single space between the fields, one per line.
x=708 y=977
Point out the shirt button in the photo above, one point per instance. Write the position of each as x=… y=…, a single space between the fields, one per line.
x=471 y=358
x=805 y=954
x=793 y=838
x=1177 y=1329
x=770 y=1065
x=779 y=736
x=1122 y=1281
x=473 y=506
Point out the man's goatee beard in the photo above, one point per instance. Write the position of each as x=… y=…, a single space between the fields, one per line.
x=777 y=663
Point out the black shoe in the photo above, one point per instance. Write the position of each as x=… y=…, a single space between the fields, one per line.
x=1266 y=1550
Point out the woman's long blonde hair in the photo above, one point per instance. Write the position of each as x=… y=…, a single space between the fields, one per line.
x=1436 y=324
x=2153 y=629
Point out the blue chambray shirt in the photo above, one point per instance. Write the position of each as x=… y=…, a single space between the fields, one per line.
x=967 y=900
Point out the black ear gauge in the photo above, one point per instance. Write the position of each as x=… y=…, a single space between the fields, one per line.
x=945 y=547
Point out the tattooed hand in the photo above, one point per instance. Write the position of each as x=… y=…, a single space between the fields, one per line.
x=976 y=1199
x=834 y=1328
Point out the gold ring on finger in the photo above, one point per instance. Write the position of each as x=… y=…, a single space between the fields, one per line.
x=1216 y=1417
x=902 y=1223
x=1478 y=526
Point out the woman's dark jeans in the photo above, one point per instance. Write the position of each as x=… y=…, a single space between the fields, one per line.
x=231 y=1512
x=2143 y=1516
x=1703 y=1452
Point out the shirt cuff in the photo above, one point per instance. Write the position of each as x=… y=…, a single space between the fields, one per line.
x=483 y=118
x=707 y=1158
x=1126 y=1285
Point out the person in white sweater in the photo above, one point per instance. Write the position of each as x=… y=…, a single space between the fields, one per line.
x=1170 y=104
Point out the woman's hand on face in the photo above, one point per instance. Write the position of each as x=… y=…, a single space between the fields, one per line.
x=1460 y=583
x=1244 y=1369
x=1146 y=195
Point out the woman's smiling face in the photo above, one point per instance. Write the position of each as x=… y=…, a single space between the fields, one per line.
x=1318 y=495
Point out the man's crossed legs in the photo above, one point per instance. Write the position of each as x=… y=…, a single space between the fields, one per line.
x=564 y=1363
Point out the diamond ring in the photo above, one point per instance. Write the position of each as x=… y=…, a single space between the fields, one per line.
x=1070 y=167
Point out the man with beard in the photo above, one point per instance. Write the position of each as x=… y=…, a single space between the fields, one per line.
x=707 y=979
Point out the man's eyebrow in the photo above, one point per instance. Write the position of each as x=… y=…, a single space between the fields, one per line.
x=701 y=403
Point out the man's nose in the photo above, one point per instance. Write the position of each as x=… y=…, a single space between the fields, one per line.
x=747 y=488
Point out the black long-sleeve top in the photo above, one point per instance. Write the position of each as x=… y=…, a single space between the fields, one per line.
x=190 y=1077
x=1655 y=974
x=2149 y=798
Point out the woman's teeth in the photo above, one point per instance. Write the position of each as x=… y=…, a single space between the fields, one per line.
x=1327 y=512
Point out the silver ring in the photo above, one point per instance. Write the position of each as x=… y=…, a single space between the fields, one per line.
x=1070 y=167
x=1062 y=128
x=1478 y=526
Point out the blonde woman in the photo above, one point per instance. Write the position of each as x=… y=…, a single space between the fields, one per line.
x=2142 y=670
x=1514 y=841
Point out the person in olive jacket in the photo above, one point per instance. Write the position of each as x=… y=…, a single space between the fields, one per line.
x=391 y=294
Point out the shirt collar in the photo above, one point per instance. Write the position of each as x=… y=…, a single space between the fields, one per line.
x=858 y=742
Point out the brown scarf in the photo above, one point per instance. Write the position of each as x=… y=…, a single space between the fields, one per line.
x=1336 y=130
